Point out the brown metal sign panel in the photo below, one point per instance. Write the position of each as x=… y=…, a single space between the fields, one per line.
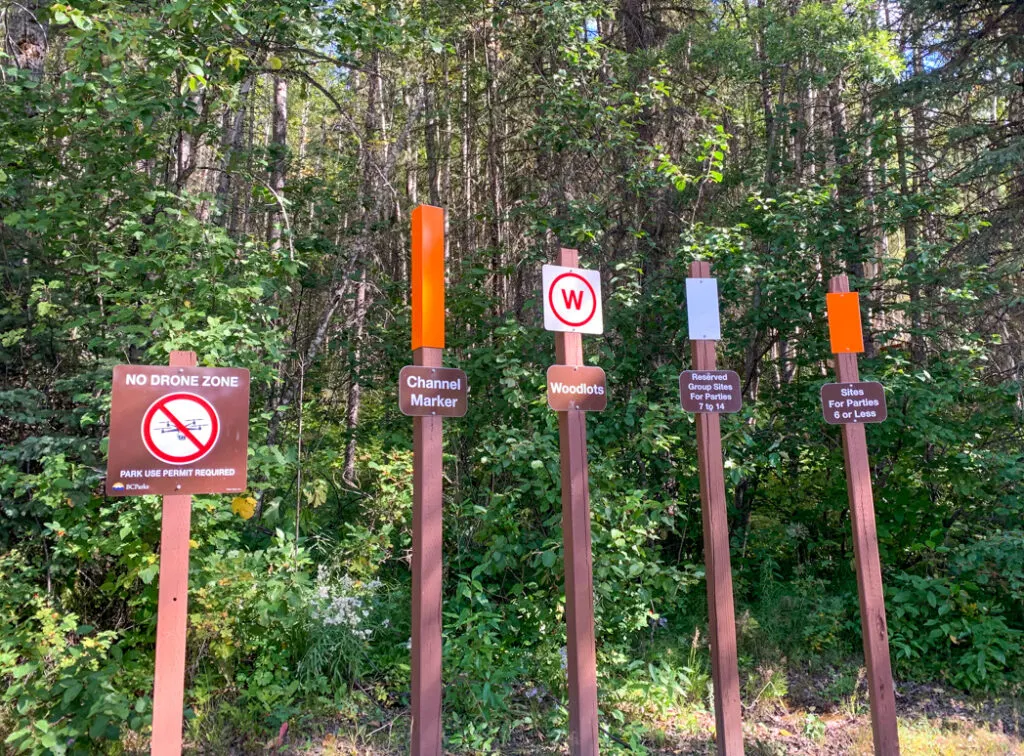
x=432 y=391
x=178 y=430
x=710 y=391
x=844 y=403
x=576 y=387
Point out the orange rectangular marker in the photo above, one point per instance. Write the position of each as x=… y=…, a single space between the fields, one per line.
x=844 y=327
x=428 y=277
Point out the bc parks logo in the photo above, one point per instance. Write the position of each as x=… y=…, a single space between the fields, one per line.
x=120 y=487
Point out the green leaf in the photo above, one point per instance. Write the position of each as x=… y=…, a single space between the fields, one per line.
x=81 y=21
x=23 y=670
x=73 y=689
x=146 y=574
x=99 y=727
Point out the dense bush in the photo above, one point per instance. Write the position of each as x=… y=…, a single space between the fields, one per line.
x=237 y=180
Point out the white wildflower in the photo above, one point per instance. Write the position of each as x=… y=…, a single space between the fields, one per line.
x=343 y=602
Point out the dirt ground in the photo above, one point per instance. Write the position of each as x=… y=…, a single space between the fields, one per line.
x=810 y=720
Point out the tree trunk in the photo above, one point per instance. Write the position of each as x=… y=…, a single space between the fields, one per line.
x=279 y=160
x=355 y=391
x=27 y=36
x=467 y=156
x=430 y=143
x=494 y=167
x=911 y=229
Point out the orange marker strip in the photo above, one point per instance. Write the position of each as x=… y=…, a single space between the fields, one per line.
x=844 y=327
x=428 y=277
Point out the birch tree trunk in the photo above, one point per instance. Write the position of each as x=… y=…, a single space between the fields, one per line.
x=279 y=159
x=355 y=391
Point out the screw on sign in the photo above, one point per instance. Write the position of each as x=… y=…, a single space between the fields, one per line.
x=572 y=300
x=180 y=428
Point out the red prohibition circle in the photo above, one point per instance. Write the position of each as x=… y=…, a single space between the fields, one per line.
x=160 y=405
x=551 y=300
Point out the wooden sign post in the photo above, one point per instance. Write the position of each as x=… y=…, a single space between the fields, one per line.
x=847 y=340
x=172 y=613
x=702 y=310
x=576 y=307
x=427 y=348
x=176 y=431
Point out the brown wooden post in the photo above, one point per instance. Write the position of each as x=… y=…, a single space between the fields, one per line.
x=427 y=346
x=579 y=574
x=172 y=613
x=869 y=569
x=426 y=575
x=721 y=612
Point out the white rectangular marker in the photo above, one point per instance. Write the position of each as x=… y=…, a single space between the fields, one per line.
x=702 y=309
x=572 y=300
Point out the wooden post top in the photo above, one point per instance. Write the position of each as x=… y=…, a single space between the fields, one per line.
x=568 y=258
x=183 y=359
x=839 y=284
x=700 y=269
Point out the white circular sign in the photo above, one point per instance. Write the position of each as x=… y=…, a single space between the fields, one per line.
x=572 y=299
x=180 y=428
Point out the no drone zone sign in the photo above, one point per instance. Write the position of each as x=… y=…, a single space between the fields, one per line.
x=572 y=300
x=178 y=430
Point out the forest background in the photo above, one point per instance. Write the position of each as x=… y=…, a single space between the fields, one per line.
x=237 y=179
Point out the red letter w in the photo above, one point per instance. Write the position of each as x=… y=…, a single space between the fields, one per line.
x=572 y=298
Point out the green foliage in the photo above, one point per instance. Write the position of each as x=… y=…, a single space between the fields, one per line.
x=68 y=682
x=964 y=627
x=814 y=728
x=783 y=142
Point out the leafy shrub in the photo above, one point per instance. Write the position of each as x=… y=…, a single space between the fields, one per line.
x=951 y=628
x=70 y=686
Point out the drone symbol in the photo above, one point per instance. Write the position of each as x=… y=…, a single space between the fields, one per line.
x=166 y=426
